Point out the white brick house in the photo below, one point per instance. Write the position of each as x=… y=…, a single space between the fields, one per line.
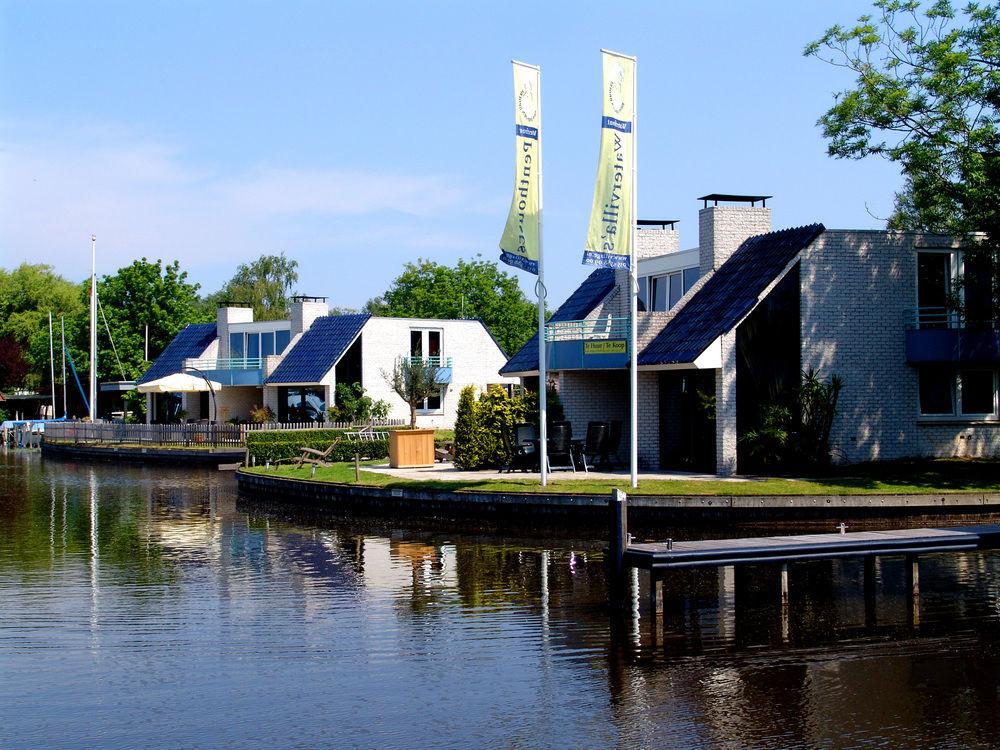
x=294 y=366
x=736 y=319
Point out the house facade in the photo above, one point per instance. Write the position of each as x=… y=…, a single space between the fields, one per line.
x=726 y=328
x=294 y=366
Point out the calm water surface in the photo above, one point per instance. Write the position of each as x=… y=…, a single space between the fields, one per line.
x=149 y=608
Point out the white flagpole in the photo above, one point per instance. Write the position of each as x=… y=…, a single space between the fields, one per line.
x=93 y=328
x=543 y=431
x=52 y=366
x=62 y=325
x=634 y=286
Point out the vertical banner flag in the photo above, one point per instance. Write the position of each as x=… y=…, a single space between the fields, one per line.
x=520 y=242
x=609 y=236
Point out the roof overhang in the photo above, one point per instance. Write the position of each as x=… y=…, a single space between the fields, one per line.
x=710 y=359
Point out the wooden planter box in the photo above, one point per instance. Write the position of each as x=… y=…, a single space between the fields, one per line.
x=411 y=448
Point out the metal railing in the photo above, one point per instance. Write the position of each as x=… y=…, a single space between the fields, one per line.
x=230 y=363
x=928 y=318
x=432 y=361
x=597 y=328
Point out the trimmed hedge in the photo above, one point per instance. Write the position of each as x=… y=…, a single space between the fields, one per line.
x=275 y=445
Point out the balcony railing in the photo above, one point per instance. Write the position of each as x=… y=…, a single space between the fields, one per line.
x=578 y=330
x=432 y=361
x=231 y=363
x=937 y=318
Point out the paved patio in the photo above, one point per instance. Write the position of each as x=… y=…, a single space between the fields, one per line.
x=447 y=472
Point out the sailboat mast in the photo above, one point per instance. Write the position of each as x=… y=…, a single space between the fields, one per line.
x=52 y=367
x=62 y=325
x=93 y=328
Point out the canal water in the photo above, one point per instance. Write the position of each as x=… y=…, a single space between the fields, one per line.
x=151 y=608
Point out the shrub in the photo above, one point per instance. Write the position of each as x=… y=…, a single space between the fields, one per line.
x=478 y=444
x=468 y=431
x=261 y=415
x=275 y=445
x=353 y=405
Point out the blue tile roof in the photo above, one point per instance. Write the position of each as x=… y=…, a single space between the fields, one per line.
x=728 y=296
x=587 y=296
x=191 y=341
x=319 y=348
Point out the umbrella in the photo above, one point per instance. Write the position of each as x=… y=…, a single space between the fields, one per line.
x=179 y=382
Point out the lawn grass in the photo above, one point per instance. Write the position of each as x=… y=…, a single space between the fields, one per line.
x=890 y=478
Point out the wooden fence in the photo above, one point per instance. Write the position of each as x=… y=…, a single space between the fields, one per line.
x=188 y=435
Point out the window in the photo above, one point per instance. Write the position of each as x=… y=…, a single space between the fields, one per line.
x=254 y=345
x=427 y=343
x=267 y=344
x=966 y=393
x=301 y=404
x=666 y=291
x=236 y=345
x=934 y=274
x=643 y=293
x=281 y=339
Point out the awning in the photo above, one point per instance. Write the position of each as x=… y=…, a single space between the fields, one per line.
x=179 y=382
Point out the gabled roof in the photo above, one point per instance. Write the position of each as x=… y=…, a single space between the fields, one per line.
x=728 y=296
x=190 y=342
x=587 y=296
x=319 y=348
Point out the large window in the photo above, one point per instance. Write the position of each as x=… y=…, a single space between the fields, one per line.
x=301 y=404
x=659 y=293
x=426 y=343
x=934 y=285
x=256 y=345
x=967 y=393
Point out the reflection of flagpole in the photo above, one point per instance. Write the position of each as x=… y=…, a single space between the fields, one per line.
x=634 y=291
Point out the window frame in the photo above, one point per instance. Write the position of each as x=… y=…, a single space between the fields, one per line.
x=425 y=332
x=955 y=385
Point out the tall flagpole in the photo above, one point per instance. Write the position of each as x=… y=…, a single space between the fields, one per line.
x=543 y=443
x=93 y=328
x=62 y=325
x=634 y=287
x=52 y=366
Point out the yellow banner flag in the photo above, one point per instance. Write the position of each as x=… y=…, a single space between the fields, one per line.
x=609 y=236
x=520 y=244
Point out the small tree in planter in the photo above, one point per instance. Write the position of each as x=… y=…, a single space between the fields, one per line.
x=414 y=380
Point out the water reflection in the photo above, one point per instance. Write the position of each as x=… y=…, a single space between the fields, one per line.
x=149 y=607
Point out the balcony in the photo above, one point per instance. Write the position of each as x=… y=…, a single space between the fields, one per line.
x=228 y=371
x=598 y=344
x=442 y=363
x=938 y=335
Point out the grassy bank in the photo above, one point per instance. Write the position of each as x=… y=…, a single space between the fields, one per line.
x=895 y=478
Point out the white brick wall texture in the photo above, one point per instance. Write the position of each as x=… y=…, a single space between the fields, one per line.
x=722 y=229
x=857 y=289
x=476 y=360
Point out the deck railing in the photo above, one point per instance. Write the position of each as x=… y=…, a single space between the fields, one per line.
x=432 y=361
x=189 y=435
x=228 y=363
x=597 y=328
x=946 y=317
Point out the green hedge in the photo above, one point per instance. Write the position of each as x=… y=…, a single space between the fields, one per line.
x=268 y=445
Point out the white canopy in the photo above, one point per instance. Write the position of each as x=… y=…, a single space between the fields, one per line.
x=179 y=382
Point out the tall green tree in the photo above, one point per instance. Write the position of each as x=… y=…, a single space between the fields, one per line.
x=469 y=289
x=265 y=284
x=925 y=95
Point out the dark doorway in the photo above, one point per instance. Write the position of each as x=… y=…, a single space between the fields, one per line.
x=687 y=420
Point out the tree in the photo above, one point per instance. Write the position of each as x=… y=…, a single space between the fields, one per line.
x=470 y=289
x=926 y=96
x=265 y=284
x=413 y=379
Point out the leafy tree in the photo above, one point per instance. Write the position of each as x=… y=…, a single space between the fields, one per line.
x=470 y=289
x=265 y=284
x=13 y=364
x=926 y=94
x=413 y=380
x=354 y=405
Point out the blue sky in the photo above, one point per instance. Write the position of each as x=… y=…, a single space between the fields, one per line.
x=357 y=136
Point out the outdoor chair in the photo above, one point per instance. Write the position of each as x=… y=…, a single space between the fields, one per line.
x=610 y=455
x=313 y=456
x=523 y=456
x=594 y=445
x=525 y=433
x=561 y=446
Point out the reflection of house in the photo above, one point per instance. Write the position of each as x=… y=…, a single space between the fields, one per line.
x=293 y=366
x=869 y=306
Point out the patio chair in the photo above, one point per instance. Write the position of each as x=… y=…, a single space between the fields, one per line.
x=594 y=445
x=523 y=456
x=313 y=456
x=525 y=433
x=610 y=455
x=561 y=446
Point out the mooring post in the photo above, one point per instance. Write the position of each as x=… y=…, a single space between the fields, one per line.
x=655 y=594
x=784 y=585
x=912 y=572
x=617 y=542
x=870 y=611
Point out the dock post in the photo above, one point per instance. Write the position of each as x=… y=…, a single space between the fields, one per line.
x=912 y=572
x=655 y=594
x=784 y=585
x=617 y=542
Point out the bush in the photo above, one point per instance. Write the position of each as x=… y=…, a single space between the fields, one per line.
x=275 y=445
x=354 y=406
x=262 y=414
x=478 y=444
x=468 y=432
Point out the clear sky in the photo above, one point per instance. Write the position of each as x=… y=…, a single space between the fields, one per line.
x=357 y=136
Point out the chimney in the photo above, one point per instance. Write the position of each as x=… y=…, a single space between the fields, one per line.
x=226 y=316
x=305 y=310
x=656 y=237
x=722 y=229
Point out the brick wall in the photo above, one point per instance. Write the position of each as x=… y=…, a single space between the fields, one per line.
x=722 y=229
x=858 y=288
